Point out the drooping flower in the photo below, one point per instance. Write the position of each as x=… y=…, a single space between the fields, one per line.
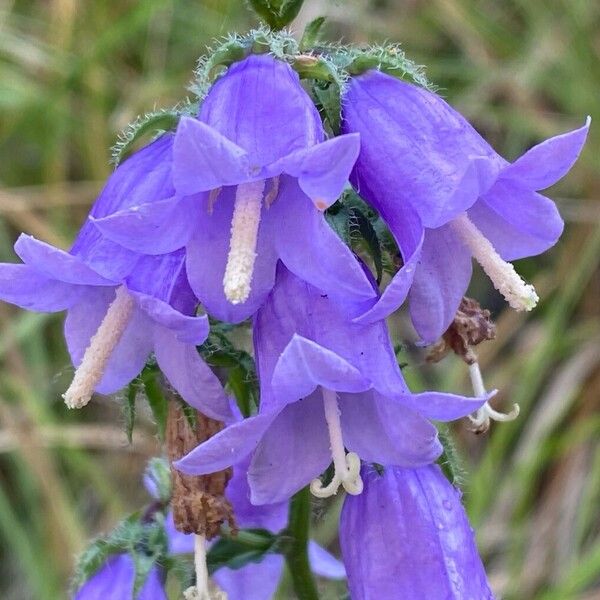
x=115 y=580
x=326 y=384
x=121 y=306
x=252 y=177
x=255 y=581
x=447 y=196
x=407 y=536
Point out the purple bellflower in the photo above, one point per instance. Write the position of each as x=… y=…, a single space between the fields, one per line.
x=326 y=384
x=115 y=580
x=447 y=196
x=256 y=581
x=120 y=306
x=407 y=536
x=252 y=177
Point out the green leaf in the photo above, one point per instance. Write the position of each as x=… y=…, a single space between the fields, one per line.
x=129 y=408
x=369 y=235
x=249 y=545
x=312 y=33
x=156 y=398
x=91 y=559
x=277 y=13
x=339 y=220
x=328 y=102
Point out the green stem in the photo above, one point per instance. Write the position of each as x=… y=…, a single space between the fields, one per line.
x=297 y=554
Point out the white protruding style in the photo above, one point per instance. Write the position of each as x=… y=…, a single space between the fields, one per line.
x=103 y=342
x=481 y=419
x=346 y=466
x=237 y=280
x=519 y=294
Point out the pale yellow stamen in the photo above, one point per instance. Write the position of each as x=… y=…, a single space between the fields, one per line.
x=242 y=244
x=519 y=294
x=103 y=342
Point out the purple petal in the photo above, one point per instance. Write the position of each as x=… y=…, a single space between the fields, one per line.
x=254 y=581
x=24 y=286
x=154 y=227
x=190 y=375
x=130 y=354
x=407 y=536
x=415 y=149
x=260 y=105
x=191 y=330
x=311 y=249
x=228 y=447
x=441 y=406
x=304 y=365
x=518 y=222
x=323 y=563
x=293 y=451
x=322 y=170
x=383 y=430
x=544 y=164
x=440 y=282
x=56 y=263
x=205 y=160
x=207 y=256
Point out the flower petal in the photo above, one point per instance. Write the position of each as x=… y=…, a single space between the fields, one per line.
x=293 y=451
x=207 y=256
x=304 y=365
x=130 y=354
x=228 y=447
x=323 y=563
x=544 y=164
x=517 y=221
x=260 y=105
x=440 y=282
x=205 y=160
x=383 y=430
x=24 y=286
x=311 y=250
x=322 y=170
x=154 y=227
x=441 y=406
x=190 y=375
x=254 y=581
x=56 y=263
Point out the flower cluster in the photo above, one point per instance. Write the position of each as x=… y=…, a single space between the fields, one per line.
x=228 y=213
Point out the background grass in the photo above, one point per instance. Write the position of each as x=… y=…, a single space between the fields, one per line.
x=72 y=74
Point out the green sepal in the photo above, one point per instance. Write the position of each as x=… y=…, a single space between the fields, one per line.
x=338 y=217
x=249 y=545
x=450 y=460
x=328 y=101
x=156 y=398
x=277 y=13
x=129 y=408
x=312 y=33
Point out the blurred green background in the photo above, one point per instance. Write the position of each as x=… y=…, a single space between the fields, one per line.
x=74 y=73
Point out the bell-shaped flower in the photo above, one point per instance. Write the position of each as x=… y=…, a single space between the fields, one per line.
x=407 y=536
x=115 y=580
x=255 y=581
x=120 y=306
x=326 y=384
x=447 y=196
x=252 y=178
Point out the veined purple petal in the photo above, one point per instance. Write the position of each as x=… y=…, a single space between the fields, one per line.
x=153 y=227
x=544 y=164
x=322 y=170
x=190 y=375
x=55 y=263
x=382 y=430
x=254 y=581
x=28 y=288
x=129 y=355
x=440 y=282
x=304 y=365
x=292 y=452
x=229 y=446
x=517 y=221
x=323 y=563
x=441 y=406
x=206 y=160
x=260 y=105
x=416 y=149
x=311 y=250
x=407 y=536
x=207 y=256
x=115 y=580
